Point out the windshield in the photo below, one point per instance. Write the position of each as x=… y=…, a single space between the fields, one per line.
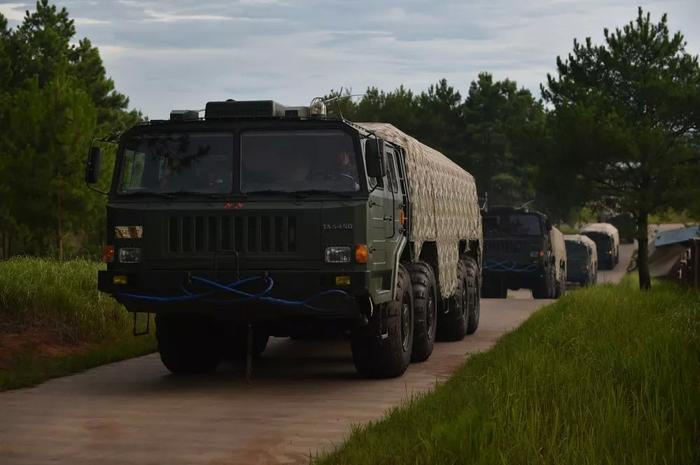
x=298 y=161
x=576 y=252
x=512 y=224
x=171 y=163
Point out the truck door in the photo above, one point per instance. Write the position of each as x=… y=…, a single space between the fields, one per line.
x=381 y=249
x=393 y=199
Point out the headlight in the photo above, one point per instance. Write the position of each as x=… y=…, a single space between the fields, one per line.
x=129 y=255
x=128 y=232
x=338 y=254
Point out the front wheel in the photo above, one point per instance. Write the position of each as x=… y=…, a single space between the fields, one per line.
x=187 y=344
x=544 y=289
x=382 y=348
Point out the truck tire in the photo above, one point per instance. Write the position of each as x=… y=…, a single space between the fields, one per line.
x=382 y=348
x=544 y=289
x=187 y=344
x=560 y=289
x=610 y=263
x=474 y=295
x=452 y=326
x=425 y=301
x=497 y=290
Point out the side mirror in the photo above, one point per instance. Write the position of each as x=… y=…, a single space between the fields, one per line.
x=92 y=169
x=374 y=156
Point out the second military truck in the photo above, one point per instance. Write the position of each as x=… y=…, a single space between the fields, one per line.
x=261 y=219
x=522 y=250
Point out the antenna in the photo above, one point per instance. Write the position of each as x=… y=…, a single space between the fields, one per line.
x=340 y=96
x=525 y=205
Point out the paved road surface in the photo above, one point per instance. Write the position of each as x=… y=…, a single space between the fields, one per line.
x=304 y=396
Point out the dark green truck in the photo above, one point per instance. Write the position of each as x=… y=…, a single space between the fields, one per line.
x=522 y=249
x=260 y=219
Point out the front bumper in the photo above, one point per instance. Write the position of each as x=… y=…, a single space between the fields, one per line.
x=288 y=286
x=513 y=279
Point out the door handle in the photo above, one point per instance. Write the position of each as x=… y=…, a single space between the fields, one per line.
x=388 y=218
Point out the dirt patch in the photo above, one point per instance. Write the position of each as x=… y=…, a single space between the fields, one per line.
x=35 y=342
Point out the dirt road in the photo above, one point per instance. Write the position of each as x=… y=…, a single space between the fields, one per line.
x=304 y=396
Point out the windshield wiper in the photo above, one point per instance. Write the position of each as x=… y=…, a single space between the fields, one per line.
x=163 y=195
x=268 y=192
x=306 y=192
x=210 y=195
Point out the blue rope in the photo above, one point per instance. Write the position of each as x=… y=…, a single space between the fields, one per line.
x=233 y=288
x=508 y=265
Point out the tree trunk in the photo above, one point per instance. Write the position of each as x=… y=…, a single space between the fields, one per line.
x=643 y=250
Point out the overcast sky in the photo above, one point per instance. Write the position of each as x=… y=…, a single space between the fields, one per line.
x=182 y=53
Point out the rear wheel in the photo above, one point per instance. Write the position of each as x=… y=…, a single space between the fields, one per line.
x=425 y=300
x=452 y=325
x=494 y=290
x=473 y=295
x=187 y=344
x=561 y=288
x=382 y=348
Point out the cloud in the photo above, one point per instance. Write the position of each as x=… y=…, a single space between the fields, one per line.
x=175 y=17
x=89 y=21
x=13 y=11
x=182 y=53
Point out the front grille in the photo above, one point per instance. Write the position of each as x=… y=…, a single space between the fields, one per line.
x=500 y=246
x=241 y=233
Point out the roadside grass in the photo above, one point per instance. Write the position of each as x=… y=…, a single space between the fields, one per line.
x=30 y=366
x=606 y=375
x=53 y=321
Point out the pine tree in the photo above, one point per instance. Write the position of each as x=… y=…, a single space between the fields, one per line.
x=625 y=118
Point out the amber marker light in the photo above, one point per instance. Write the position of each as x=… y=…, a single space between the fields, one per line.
x=119 y=279
x=108 y=253
x=361 y=253
x=402 y=217
x=342 y=280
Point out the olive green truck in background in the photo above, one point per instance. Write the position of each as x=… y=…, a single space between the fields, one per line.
x=261 y=219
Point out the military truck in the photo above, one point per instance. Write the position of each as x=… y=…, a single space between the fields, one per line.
x=522 y=250
x=607 y=241
x=259 y=219
x=582 y=260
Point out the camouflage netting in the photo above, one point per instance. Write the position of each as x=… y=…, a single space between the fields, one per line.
x=585 y=241
x=605 y=228
x=444 y=201
x=559 y=250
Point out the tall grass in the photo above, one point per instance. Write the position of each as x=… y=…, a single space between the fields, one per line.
x=61 y=299
x=609 y=375
x=61 y=295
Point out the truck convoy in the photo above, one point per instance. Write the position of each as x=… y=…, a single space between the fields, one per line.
x=607 y=241
x=522 y=250
x=260 y=219
x=582 y=260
